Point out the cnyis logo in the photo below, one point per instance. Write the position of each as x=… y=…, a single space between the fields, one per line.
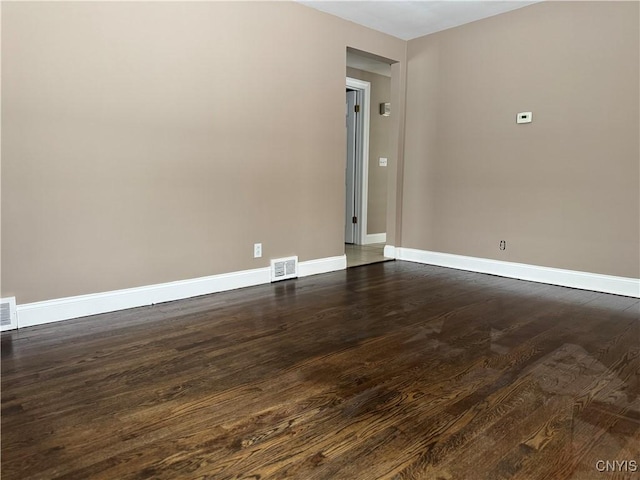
x=617 y=466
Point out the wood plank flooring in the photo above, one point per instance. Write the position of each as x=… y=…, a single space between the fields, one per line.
x=388 y=371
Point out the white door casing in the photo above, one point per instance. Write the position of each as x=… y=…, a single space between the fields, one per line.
x=363 y=98
x=350 y=169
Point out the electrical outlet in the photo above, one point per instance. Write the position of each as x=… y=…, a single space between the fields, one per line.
x=524 y=117
x=503 y=244
x=257 y=250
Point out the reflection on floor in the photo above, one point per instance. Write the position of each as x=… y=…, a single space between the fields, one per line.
x=364 y=254
x=392 y=370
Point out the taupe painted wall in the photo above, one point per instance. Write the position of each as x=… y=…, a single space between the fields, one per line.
x=563 y=191
x=141 y=142
x=380 y=145
x=151 y=142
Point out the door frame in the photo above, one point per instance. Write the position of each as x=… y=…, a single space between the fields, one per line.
x=362 y=157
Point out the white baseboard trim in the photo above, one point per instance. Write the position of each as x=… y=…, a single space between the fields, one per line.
x=389 y=251
x=375 y=238
x=322 y=265
x=39 y=313
x=629 y=287
x=48 y=311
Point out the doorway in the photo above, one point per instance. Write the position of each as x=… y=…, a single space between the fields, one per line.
x=358 y=250
x=372 y=149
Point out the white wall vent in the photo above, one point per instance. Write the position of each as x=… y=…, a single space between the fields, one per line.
x=283 y=268
x=8 y=316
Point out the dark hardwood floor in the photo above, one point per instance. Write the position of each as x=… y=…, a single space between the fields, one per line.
x=393 y=370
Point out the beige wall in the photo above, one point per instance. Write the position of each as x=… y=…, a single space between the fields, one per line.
x=380 y=145
x=151 y=142
x=143 y=142
x=562 y=191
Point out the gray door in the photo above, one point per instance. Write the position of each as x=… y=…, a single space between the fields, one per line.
x=350 y=200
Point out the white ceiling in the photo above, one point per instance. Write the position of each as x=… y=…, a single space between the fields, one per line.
x=412 y=19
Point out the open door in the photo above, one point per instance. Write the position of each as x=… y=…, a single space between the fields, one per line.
x=350 y=221
x=358 y=94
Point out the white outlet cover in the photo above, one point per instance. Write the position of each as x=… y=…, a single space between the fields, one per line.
x=383 y=162
x=524 y=117
x=257 y=250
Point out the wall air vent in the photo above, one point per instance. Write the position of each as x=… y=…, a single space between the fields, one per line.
x=8 y=317
x=284 y=268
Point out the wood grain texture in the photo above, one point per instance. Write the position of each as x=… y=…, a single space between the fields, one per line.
x=389 y=371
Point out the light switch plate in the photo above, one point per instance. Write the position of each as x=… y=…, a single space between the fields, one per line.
x=524 y=117
x=383 y=162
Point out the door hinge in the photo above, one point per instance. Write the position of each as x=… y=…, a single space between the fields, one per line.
x=356 y=108
x=354 y=219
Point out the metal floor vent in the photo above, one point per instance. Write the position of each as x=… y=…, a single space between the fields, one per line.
x=284 y=268
x=8 y=317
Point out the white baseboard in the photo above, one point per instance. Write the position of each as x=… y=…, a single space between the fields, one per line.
x=375 y=238
x=322 y=265
x=389 y=251
x=629 y=287
x=39 y=313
